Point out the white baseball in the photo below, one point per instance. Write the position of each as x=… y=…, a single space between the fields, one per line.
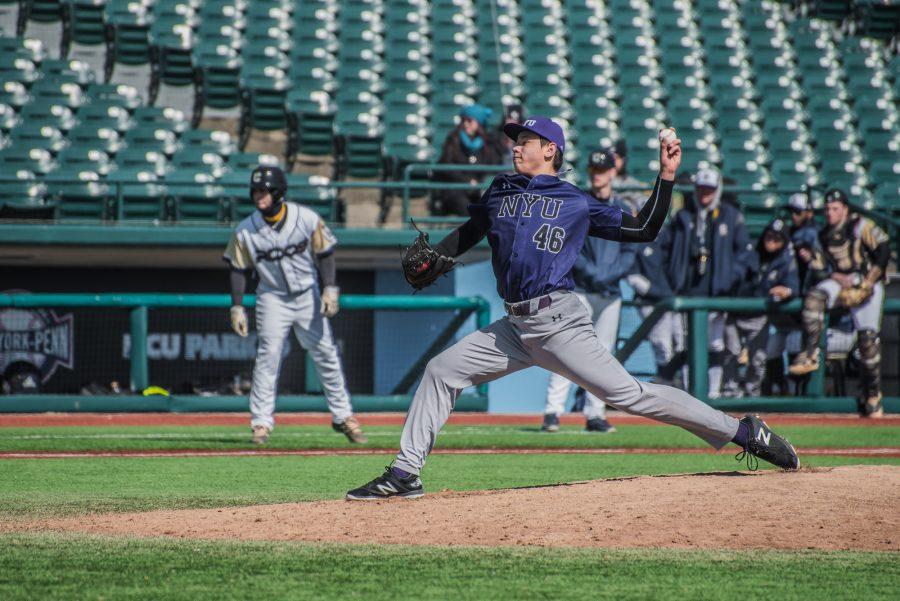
x=667 y=135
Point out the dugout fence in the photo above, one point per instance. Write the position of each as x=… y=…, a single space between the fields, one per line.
x=816 y=399
x=176 y=352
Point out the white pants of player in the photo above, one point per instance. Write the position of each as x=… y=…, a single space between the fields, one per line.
x=276 y=315
x=716 y=340
x=716 y=345
x=866 y=316
x=666 y=337
x=604 y=312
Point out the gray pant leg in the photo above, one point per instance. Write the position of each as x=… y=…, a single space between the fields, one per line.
x=757 y=332
x=313 y=331
x=571 y=348
x=480 y=357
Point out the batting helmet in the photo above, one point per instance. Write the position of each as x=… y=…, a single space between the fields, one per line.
x=272 y=180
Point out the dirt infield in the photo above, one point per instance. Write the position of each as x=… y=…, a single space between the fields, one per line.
x=818 y=451
x=851 y=507
x=43 y=420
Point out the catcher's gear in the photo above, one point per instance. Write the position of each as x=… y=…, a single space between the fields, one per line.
x=331 y=301
x=422 y=265
x=869 y=344
x=239 y=321
x=854 y=295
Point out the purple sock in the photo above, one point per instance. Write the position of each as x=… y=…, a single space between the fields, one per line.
x=742 y=436
x=400 y=473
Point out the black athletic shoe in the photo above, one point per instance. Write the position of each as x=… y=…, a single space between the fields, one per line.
x=768 y=446
x=551 y=423
x=598 y=424
x=388 y=485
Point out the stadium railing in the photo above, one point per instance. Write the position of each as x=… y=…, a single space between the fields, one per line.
x=138 y=306
x=698 y=310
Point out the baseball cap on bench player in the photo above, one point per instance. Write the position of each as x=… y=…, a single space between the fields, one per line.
x=541 y=126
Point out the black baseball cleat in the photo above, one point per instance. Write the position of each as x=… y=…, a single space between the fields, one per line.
x=551 y=423
x=766 y=445
x=598 y=424
x=388 y=485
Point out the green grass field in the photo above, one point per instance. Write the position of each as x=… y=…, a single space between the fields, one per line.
x=71 y=566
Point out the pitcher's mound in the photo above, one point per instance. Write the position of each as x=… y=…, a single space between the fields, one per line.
x=826 y=508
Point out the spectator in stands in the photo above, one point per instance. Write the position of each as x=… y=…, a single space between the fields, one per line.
x=633 y=198
x=467 y=144
x=804 y=235
x=597 y=272
x=773 y=276
x=708 y=254
x=500 y=142
x=858 y=252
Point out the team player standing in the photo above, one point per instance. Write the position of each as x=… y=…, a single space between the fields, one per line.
x=284 y=242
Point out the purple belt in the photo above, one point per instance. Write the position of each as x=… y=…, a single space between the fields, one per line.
x=529 y=307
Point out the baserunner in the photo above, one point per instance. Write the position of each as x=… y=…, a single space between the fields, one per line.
x=536 y=225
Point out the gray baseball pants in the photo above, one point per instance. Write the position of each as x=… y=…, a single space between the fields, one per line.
x=561 y=339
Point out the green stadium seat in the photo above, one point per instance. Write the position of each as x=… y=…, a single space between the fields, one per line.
x=140 y=195
x=104 y=115
x=85 y=159
x=199 y=160
x=48 y=112
x=877 y=18
x=14 y=94
x=122 y=95
x=80 y=194
x=245 y=162
x=29 y=135
x=9 y=118
x=90 y=135
x=152 y=138
x=143 y=159
x=17 y=68
x=887 y=197
x=194 y=196
x=26 y=162
x=219 y=142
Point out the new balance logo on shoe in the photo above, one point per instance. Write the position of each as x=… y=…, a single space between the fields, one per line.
x=386 y=488
x=764 y=436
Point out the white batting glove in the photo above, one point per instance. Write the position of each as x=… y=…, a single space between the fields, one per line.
x=239 y=321
x=331 y=303
x=640 y=284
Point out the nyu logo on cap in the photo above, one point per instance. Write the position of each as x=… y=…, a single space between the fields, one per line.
x=540 y=126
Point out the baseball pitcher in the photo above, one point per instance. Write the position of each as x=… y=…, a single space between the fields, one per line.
x=283 y=241
x=536 y=225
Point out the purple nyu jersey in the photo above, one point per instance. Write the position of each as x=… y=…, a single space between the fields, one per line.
x=536 y=228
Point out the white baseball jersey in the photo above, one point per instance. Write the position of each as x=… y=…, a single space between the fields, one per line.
x=284 y=259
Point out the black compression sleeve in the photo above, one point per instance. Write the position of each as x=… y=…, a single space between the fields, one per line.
x=646 y=225
x=881 y=256
x=460 y=240
x=327 y=269
x=238 y=286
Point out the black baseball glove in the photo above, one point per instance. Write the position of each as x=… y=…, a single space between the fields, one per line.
x=422 y=265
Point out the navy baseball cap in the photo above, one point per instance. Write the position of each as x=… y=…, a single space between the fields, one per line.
x=603 y=158
x=541 y=126
x=837 y=195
